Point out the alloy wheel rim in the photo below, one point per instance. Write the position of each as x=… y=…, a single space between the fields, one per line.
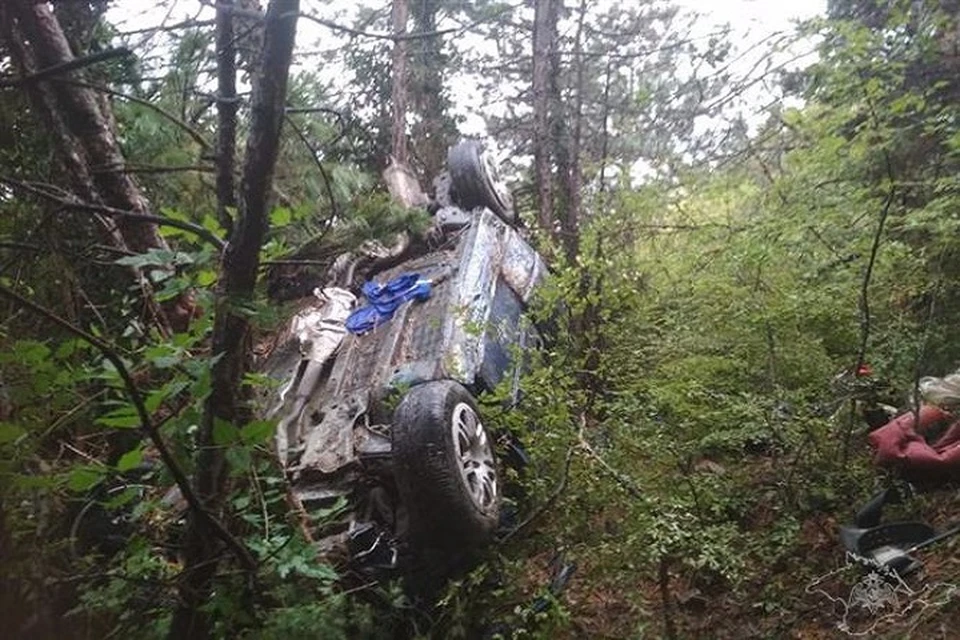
x=475 y=456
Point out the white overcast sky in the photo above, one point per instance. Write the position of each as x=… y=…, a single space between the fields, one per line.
x=751 y=22
x=757 y=15
x=753 y=18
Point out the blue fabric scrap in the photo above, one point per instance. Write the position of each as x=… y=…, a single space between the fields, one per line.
x=383 y=300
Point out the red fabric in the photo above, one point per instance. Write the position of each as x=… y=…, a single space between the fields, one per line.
x=901 y=444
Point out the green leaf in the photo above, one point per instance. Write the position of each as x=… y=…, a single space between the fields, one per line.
x=31 y=352
x=257 y=431
x=169 y=390
x=202 y=384
x=128 y=495
x=85 y=477
x=210 y=222
x=131 y=459
x=172 y=288
x=149 y=259
x=25 y=481
x=125 y=417
x=224 y=432
x=172 y=232
x=280 y=217
x=10 y=432
x=331 y=512
x=163 y=356
x=254 y=379
x=206 y=278
x=239 y=460
x=67 y=348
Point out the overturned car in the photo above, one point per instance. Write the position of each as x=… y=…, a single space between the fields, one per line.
x=376 y=406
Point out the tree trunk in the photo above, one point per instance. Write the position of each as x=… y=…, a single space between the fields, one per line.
x=573 y=180
x=546 y=13
x=85 y=138
x=433 y=132
x=82 y=128
x=231 y=339
x=398 y=87
x=227 y=103
x=605 y=135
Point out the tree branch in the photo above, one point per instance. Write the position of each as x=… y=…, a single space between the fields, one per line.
x=148 y=168
x=66 y=67
x=551 y=499
x=71 y=204
x=334 y=26
x=20 y=246
x=316 y=159
x=628 y=484
x=184 y=24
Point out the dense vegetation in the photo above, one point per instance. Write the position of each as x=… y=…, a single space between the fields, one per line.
x=694 y=418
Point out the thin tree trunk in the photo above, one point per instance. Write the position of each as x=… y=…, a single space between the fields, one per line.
x=559 y=137
x=432 y=133
x=231 y=339
x=574 y=177
x=544 y=47
x=605 y=136
x=227 y=103
x=663 y=582
x=398 y=89
x=69 y=153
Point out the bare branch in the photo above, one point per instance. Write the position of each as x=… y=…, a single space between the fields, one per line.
x=316 y=159
x=20 y=246
x=551 y=499
x=66 y=67
x=624 y=481
x=185 y=24
x=334 y=26
x=69 y=203
x=149 y=168
x=401 y=37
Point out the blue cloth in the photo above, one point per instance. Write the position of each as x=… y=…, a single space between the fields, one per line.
x=384 y=299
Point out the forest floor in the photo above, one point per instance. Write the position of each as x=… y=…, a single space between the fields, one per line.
x=814 y=590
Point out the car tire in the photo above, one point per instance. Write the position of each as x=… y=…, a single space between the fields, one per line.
x=444 y=467
x=476 y=181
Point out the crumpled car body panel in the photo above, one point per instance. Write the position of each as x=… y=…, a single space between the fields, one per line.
x=442 y=337
x=483 y=275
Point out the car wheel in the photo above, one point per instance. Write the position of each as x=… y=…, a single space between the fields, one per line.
x=444 y=467
x=476 y=181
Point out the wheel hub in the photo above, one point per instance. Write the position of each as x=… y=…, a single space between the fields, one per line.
x=475 y=455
